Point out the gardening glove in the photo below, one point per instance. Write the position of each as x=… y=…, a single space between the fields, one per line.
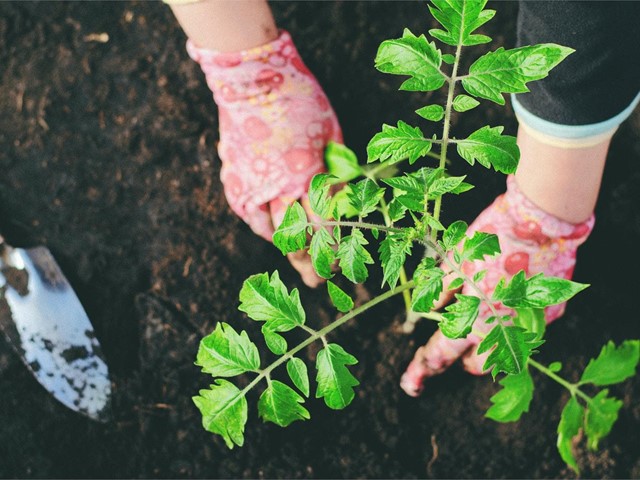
x=530 y=240
x=275 y=121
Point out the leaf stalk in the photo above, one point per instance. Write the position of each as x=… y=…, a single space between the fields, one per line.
x=365 y=225
x=572 y=387
x=320 y=334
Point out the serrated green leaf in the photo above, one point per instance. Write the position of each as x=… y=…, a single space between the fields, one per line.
x=434 y=113
x=291 y=235
x=448 y=58
x=508 y=71
x=443 y=185
x=480 y=245
x=569 y=427
x=394 y=144
x=460 y=19
x=298 y=374
x=412 y=198
x=364 y=196
x=513 y=400
x=275 y=342
x=602 y=413
x=335 y=381
x=224 y=411
x=459 y=316
x=532 y=320
x=456 y=283
x=479 y=275
x=342 y=162
x=535 y=292
x=428 y=280
x=354 y=257
x=412 y=202
x=339 y=297
x=490 y=148
x=433 y=222
x=513 y=347
x=416 y=182
x=613 y=365
x=425 y=177
x=268 y=300
x=412 y=56
x=413 y=190
x=322 y=253
x=463 y=187
x=225 y=353
x=464 y=103
x=341 y=206
x=319 y=198
x=397 y=211
x=454 y=234
x=280 y=404
x=393 y=253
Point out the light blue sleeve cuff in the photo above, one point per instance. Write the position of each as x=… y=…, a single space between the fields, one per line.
x=571 y=131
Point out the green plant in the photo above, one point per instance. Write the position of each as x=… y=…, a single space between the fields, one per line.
x=410 y=211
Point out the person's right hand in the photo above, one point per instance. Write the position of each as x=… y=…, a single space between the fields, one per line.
x=275 y=122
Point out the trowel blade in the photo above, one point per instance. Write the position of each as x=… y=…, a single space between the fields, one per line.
x=46 y=324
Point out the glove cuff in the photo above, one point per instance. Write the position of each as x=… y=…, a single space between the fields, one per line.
x=224 y=60
x=258 y=73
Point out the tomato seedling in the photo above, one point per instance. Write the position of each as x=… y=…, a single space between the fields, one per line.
x=410 y=206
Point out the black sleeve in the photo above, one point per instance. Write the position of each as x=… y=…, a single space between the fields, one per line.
x=602 y=77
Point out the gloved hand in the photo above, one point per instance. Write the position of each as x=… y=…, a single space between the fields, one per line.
x=530 y=240
x=275 y=122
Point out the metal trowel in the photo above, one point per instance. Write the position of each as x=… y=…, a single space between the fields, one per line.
x=45 y=323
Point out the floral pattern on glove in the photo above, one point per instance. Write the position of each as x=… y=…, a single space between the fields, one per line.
x=275 y=122
x=530 y=240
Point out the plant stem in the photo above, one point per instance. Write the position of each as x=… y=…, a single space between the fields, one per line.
x=320 y=334
x=405 y=295
x=309 y=330
x=445 y=131
x=572 y=387
x=340 y=223
x=435 y=316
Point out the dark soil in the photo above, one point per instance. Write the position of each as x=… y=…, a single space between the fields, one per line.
x=107 y=154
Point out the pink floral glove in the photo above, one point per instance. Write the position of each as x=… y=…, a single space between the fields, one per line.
x=530 y=240
x=275 y=122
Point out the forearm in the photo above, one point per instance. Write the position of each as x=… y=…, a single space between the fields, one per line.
x=561 y=181
x=226 y=25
